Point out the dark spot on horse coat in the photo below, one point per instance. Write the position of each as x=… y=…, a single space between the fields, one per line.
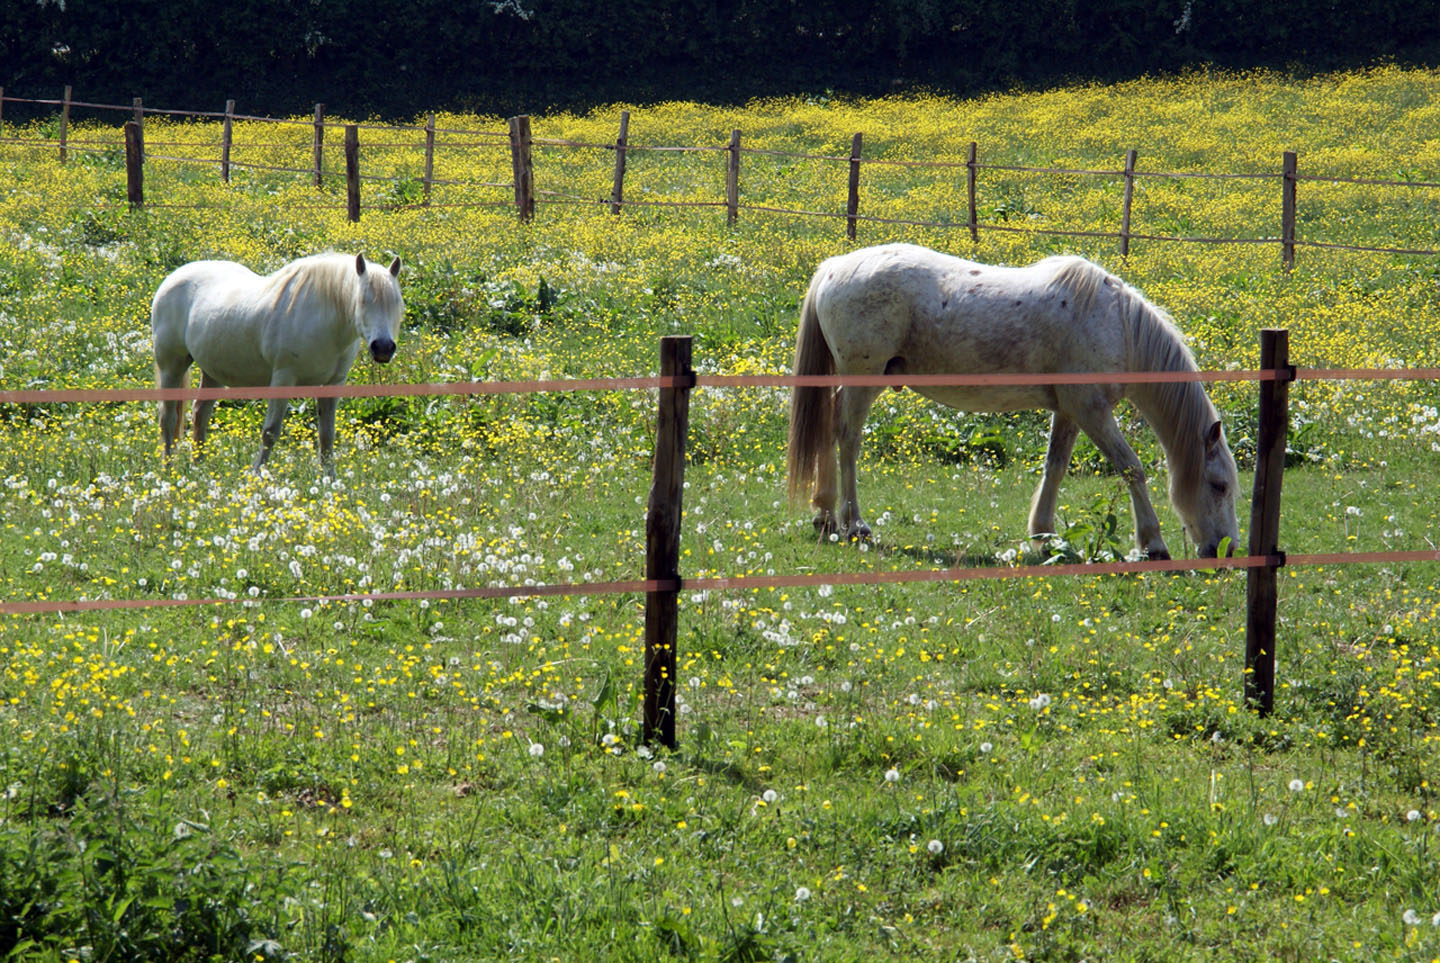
x=1062 y=304
x=974 y=272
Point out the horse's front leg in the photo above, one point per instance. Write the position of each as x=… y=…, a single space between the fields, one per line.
x=270 y=431
x=852 y=404
x=1105 y=433
x=325 y=434
x=1063 y=433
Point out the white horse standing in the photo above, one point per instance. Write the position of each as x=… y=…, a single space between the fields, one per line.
x=902 y=309
x=302 y=325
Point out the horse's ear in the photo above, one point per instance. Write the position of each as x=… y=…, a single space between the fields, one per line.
x=360 y=264
x=395 y=268
x=1213 y=437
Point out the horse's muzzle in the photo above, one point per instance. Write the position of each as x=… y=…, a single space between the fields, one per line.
x=382 y=350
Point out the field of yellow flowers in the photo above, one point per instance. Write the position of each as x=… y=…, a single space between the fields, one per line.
x=1035 y=769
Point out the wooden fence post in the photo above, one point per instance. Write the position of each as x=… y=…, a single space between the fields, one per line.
x=429 y=157
x=970 y=170
x=318 y=146
x=135 y=165
x=1287 y=210
x=1125 y=211
x=732 y=181
x=138 y=105
x=852 y=206
x=617 y=192
x=64 y=122
x=1261 y=589
x=226 y=135
x=352 y=172
x=662 y=542
x=524 y=166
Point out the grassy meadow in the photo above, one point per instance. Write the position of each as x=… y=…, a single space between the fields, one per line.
x=1033 y=769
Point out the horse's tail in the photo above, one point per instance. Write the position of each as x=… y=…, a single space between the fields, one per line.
x=179 y=408
x=812 y=417
x=167 y=334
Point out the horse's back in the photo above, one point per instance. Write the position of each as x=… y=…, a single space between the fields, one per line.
x=198 y=312
x=899 y=308
x=951 y=314
x=192 y=289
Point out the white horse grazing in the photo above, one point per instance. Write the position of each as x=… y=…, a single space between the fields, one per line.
x=902 y=309
x=302 y=325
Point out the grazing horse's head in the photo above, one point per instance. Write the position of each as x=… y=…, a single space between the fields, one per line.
x=1205 y=498
x=378 y=308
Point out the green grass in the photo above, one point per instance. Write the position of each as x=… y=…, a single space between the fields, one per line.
x=1040 y=768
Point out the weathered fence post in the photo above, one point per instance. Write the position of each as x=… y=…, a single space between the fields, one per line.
x=1261 y=589
x=226 y=135
x=352 y=172
x=662 y=541
x=732 y=180
x=617 y=192
x=852 y=206
x=970 y=170
x=135 y=165
x=1287 y=210
x=1125 y=210
x=64 y=122
x=429 y=157
x=318 y=146
x=138 y=105
x=524 y=166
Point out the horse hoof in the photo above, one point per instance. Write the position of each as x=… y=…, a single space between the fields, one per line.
x=825 y=525
x=1158 y=555
x=858 y=532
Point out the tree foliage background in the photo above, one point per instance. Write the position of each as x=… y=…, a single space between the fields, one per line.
x=399 y=57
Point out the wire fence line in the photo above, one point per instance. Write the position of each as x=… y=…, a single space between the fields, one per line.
x=663 y=582
x=523 y=146
x=41 y=396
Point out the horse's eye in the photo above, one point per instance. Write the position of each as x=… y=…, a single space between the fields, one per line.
x=1220 y=488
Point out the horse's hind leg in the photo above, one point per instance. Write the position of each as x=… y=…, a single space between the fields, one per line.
x=827 y=489
x=1063 y=433
x=852 y=404
x=203 y=409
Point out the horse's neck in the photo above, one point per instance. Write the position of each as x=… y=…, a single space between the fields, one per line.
x=1178 y=412
x=1174 y=412
x=319 y=289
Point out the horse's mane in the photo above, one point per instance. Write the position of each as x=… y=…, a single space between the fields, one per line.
x=1152 y=343
x=331 y=277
